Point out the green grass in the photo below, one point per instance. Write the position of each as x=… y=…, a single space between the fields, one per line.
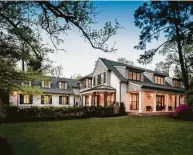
x=110 y=136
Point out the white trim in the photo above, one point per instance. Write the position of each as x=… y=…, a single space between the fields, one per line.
x=140 y=101
x=92 y=91
x=121 y=66
x=154 y=101
x=135 y=84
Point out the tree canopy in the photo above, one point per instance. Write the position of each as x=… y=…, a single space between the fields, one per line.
x=172 y=19
x=125 y=61
x=21 y=27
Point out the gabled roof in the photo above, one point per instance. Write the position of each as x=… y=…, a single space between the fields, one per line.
x=146 y=83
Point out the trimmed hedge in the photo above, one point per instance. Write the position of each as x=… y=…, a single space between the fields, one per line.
x=15 y=114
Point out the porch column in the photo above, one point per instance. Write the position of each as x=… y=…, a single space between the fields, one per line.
x=140 y=101
x=90 y=100
x=83 y=100
x=177 y=101
x=154 y=101
x=166 y=101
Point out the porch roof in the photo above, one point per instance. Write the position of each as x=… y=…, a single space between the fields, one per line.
x=100 y=88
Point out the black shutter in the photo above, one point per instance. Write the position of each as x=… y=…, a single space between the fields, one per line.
x=94 y=82
x=21 y=99
x=60 y=99
x=104 y=77
x=31 y=99
x=67 y=100
x=42 y=99
x=50 y=100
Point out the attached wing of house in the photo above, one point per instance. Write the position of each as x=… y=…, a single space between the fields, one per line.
x=139 y=89
x=55 y=92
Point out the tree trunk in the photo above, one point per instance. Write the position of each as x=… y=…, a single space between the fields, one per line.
x=179 y=39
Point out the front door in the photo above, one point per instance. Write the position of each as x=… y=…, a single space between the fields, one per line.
x=97 y=100
x=160 y=102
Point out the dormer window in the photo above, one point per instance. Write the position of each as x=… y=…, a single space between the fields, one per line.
x=63 y=85
x=134 y=76
x=26 y=83
x=176 y=83
x=159 y=80
x=46 y=84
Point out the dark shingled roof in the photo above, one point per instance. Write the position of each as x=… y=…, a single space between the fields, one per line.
x=71 y=83
x=146 y=83
x=87 y=76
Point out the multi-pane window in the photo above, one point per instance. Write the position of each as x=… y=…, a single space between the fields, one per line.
x=134 y=101
x=99 y=79
x=63 y=100
x=176 y=83
x=46 y=84
x=63 y=85
x=134 y=76
x=159 y=80
x=89 y=83
x=26 y=99
x=46 y=99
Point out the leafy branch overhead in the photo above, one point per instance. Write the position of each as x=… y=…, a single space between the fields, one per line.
x=61 y=16
x=171 y=19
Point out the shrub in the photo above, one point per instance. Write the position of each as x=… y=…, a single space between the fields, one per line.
x=5 y=148
x=184 y=112
x=122 y=108
x=37 y=113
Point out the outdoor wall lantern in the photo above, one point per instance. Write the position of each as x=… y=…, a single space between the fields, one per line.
x=149 y=95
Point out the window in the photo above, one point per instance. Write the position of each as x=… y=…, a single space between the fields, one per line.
x=102 y=78
x=46 y=99
x=176 y=83
x=134 y=101
x=89 y=83
x=63 y=85
x=159 y=80
x=99 y=79
x=63 y=100
x=46 y=84
x=26 y=99
x=134 y=76
x=26 y=83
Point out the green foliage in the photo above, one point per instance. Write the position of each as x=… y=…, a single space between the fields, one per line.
x=174 y=21
x=125 y=61
x=189 y=97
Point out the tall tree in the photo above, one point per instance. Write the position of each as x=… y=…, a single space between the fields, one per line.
x=57 y=71
x=125 y=61
x=162 y=67
x=174 y=20
x=21 y=24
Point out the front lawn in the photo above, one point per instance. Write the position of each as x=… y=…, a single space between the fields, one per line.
x=109 y=136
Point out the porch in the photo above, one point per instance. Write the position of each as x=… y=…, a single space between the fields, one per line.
x=147 y=102
x=100 y=96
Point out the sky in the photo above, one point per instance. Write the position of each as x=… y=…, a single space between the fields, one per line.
x=79 y=56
